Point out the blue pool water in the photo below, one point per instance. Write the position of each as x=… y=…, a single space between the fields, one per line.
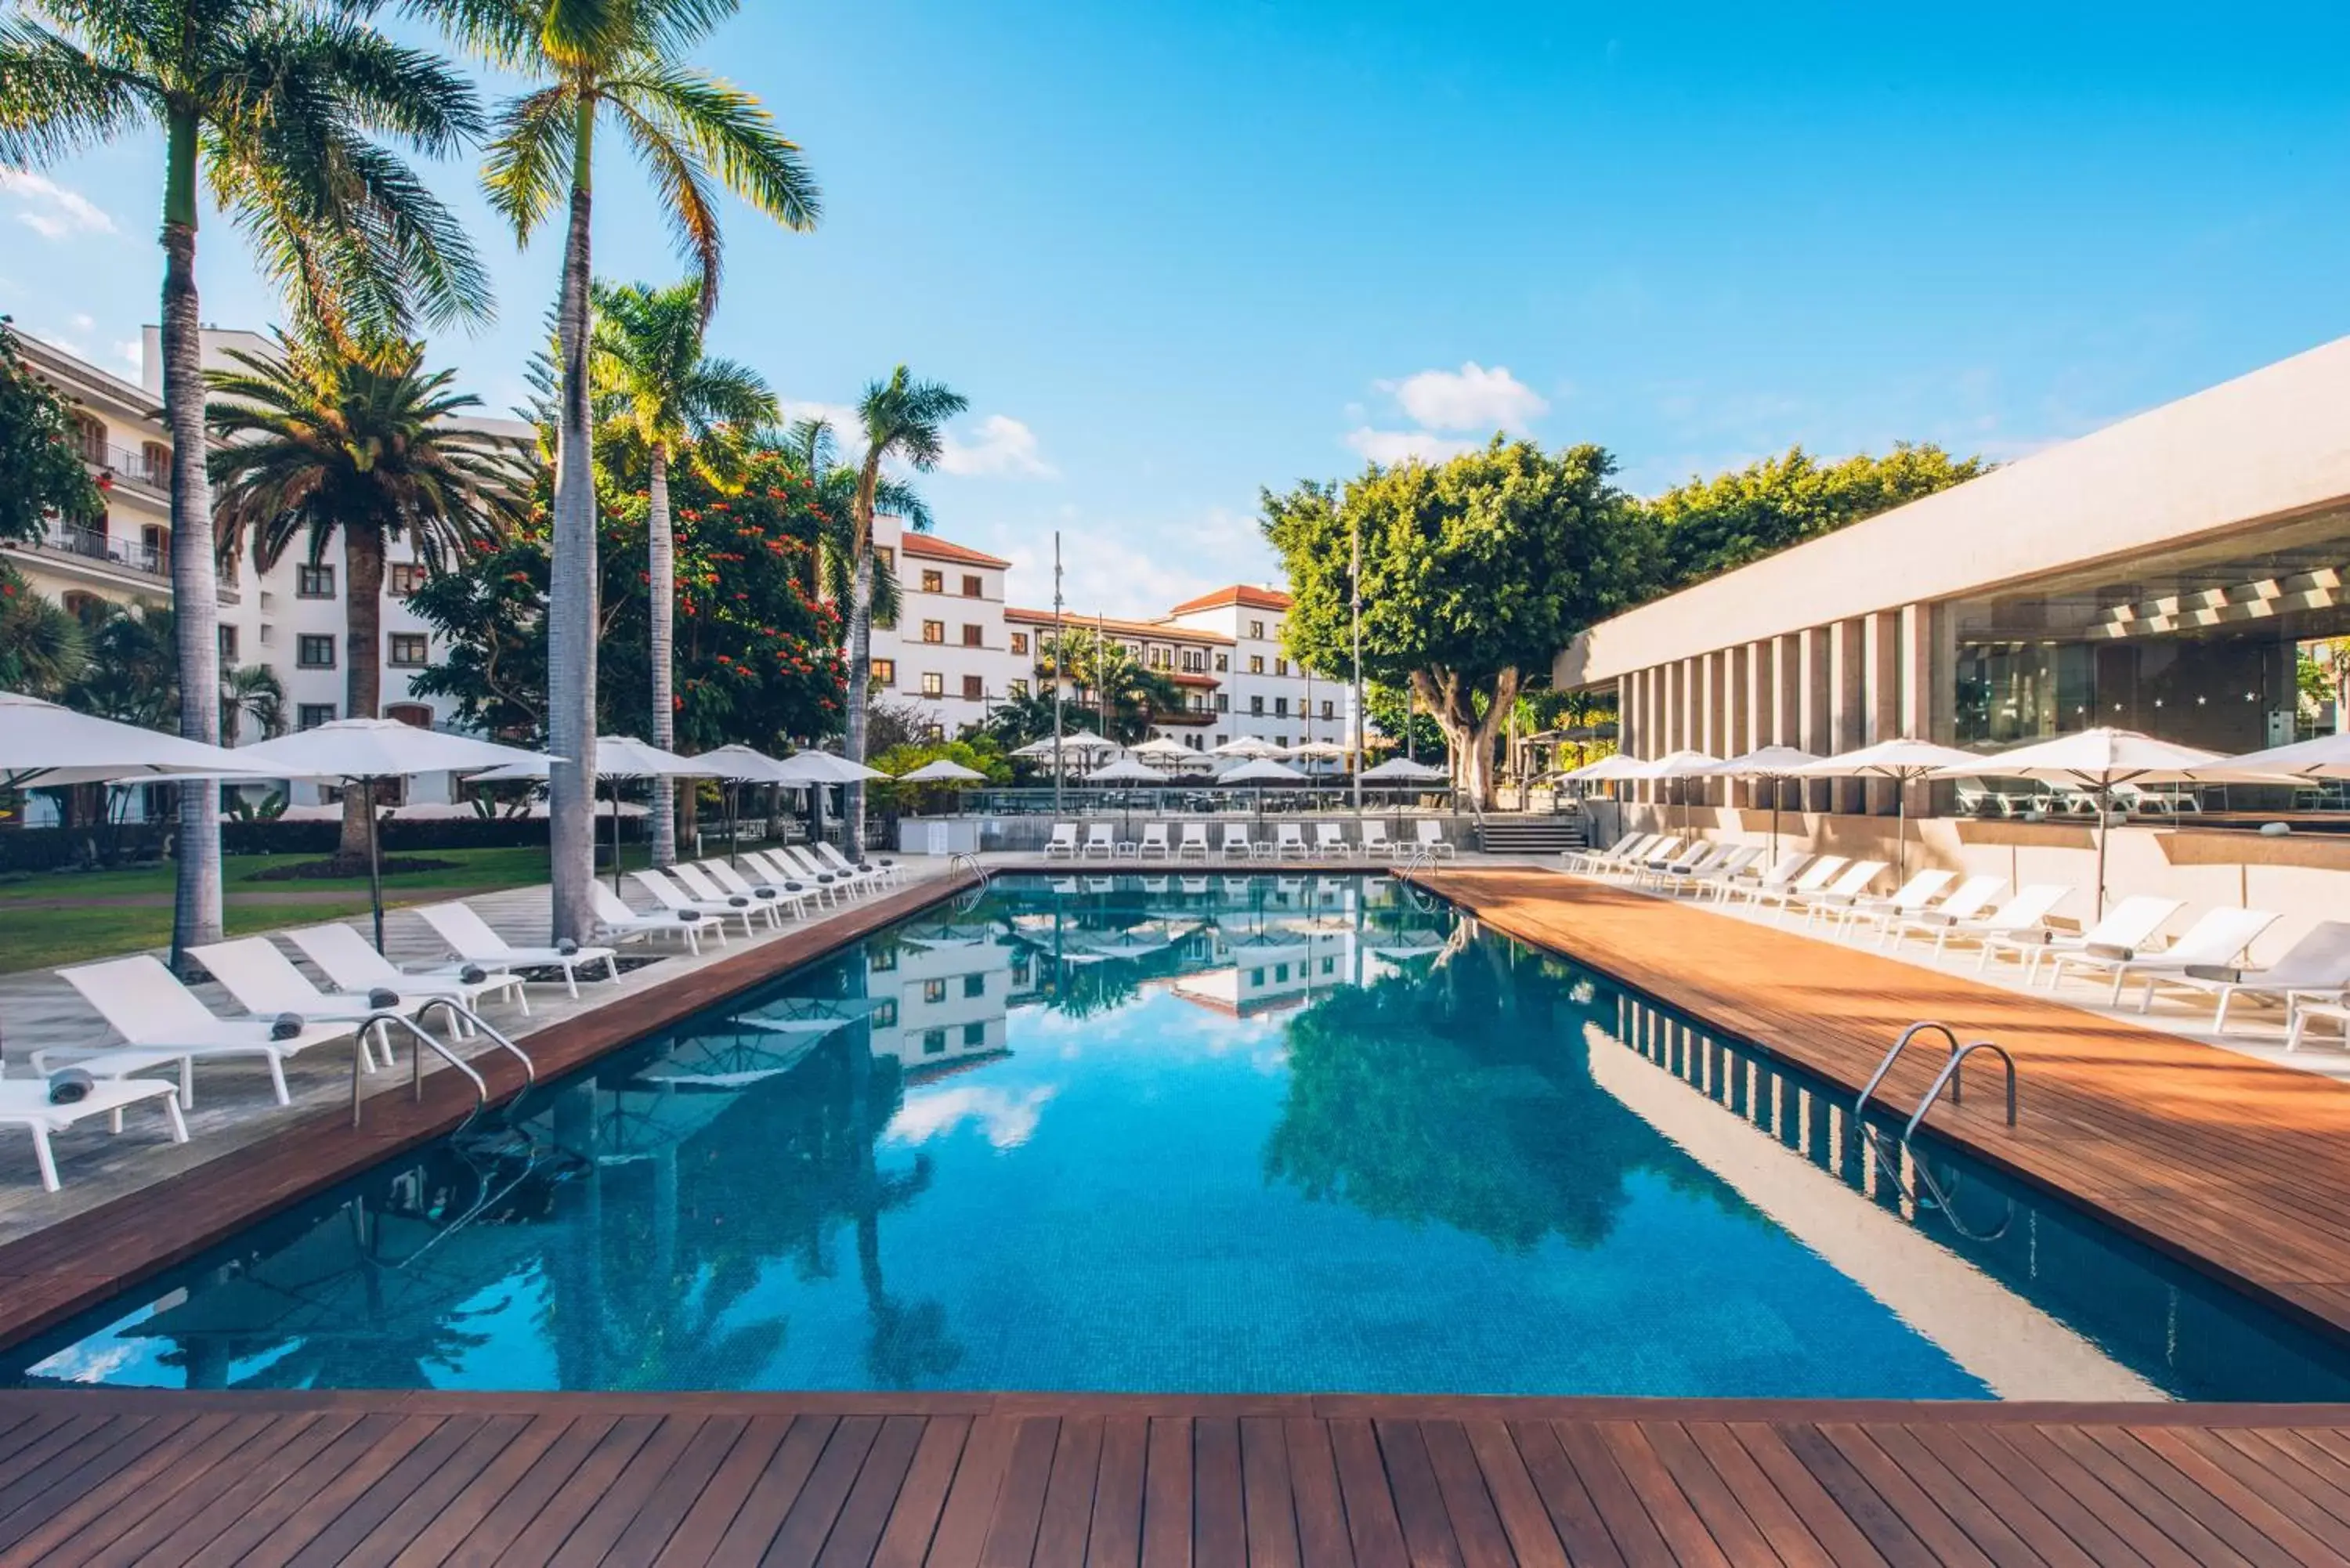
x=1200 y=1134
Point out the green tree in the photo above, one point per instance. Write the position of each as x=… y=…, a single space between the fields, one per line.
x=1018 y=719
x=42 y=644
x=275 y=104
x=810 y=446
x=616 y=61
x=40 y=474
x=1475 y=571
x=661 y=393
x=904 y=421
x=1115 y=689
x=1708 y=526
x=251 y=691
x=321 y=443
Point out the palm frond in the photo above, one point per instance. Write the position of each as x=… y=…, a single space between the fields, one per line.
x=731 y=131
x=57 y=100
x=532 y=149
x=682 y=188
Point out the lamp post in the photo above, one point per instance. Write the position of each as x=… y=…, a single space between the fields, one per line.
x=1059 y=653
x=1355 y=593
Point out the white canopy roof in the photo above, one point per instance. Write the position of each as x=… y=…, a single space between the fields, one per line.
x=1126 y=770
x=1404 y=770
x=1900 y=758
x=1767 y=762
x=1606 y=770
x=42 y=744
x=823 y=767
x=744 y=764
x=2325 y=757
x=373 y=749
x=1263 y=770
x=1246 y=746
x=1161 y=746
x=2099 y=757
x=617 y=757
x=1682 y=764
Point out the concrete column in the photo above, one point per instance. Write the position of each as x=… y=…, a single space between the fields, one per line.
x=1882 y=655
x=1914 y=674
x=1714 y=670
x=1686 y=679
x=1625 y=685
x=1650 y=727
x=1813 y=693
x=1848 y=692
x=1737 y=737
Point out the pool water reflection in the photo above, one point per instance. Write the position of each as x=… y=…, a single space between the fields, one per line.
x=1186 y=1133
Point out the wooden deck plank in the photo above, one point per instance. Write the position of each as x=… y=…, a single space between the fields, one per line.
x=1320 y=1512
x=1725 y=1512
x=179 y=1530
x=1469 y=1504
x=141 y=1484
x=1574 y=1517
x=710 y=1514
x=619 y=1501
x=1066 y=1523
x=808 y=1524
x=1637 y=1535
x=492 y=1442
x=536 y=1534
x=335 y=1528
x=969 y=1506
x=2058 y=1531
x=778 y=1487
x=1166 y=1494
x=1372 y=1525
x=914 y=1515
x=2091 y=1474
x=1267 y=1494
x=1020 y=1500
x=856 y=1533
x=1219 y=1528
x=1114 y=1535
x=656 y=1514
x=546 y=1451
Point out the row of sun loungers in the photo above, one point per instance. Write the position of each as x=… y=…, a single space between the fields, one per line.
x=2121 y=949
x=1237 y=842
x=167 y=1028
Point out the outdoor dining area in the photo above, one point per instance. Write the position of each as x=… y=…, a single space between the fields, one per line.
x=1083 y=772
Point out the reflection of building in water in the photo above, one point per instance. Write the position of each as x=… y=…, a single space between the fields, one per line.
x=1269 y=971
x=939 y=1006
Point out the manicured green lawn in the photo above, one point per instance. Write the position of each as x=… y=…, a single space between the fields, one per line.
x=69 y=916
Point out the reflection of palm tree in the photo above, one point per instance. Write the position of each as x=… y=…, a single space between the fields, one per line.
x=910 y=1344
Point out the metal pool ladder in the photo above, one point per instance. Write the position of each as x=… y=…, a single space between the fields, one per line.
x=1948 y=1076
x=425 y=1038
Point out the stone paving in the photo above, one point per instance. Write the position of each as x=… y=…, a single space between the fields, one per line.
x=234 y=1104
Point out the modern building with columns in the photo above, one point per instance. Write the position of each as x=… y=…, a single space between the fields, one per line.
x=2155 y=575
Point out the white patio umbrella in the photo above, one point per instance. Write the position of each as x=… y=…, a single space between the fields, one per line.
x=1126 y=770
x=1905 y=761
x=1680 y=765
x=2097 y=760
x=42 y=746
x=1246 y=746
x=360 y=752
x=1161 y=746
x=1403 y=770
x=617 y=757
x=2327 y=757
x=823 y=767
x=943 y=771
x=1773 y=764
x=1261 y=770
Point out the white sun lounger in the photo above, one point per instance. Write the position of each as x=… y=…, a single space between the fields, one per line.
x=264 y=982
x=162 y=1024
x=2028 y=911
x=1427 y=836
x=681 y=902
x=884 y=871
x=1780 y=873
x=1659 y=851
x=1968 y=899
x=1102 y=840
x=793 y=877
x=1063 y=842
x=1154 y=844
x=1330 y=839
x=1237 y=842
x=1193 y=842
x=1912 y=896
x=1713 y=873
x=1847 y=885
x=1815 y=876
x=822 y=860
x=616 y=921
x=2314 y=969
x=2218 y=937
x=1696 y=858
x=1590 y=854
x=1288 y=839
x=469 y=940
x=1376 y=845
x=24 y=1103
x=710 y=893
x=2128 y=924
x=795 y=900
x=347 y=958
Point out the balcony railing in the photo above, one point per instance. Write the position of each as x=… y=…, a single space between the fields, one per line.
x=93 y=544
x=151 y=466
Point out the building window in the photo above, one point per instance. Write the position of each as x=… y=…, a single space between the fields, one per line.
x=934 y=631
x=886 y=557
x=313 y=582
x=406 y=577
x=885 y=1013
x=1224 y=664
x=228 y=645
x=415 y=715
x=1256 y=706
x=934 y=684
x=974 y=1035
x=934 y=1041
x=973 y=589
x=971 y=636
x=1281 y=707
x=974 y=985
x=411 y=649
x=89 y=437
x=1256 y=664
x=313 y=650
x=974 y=688
x=885 y=672
x=1199 y=702
x=310 y=715
x=1280 y=667
x=1194 y=661
x=1020 y=643
x=935 y=734
x=155 y=465
x=934 y=582
x=1280 y=741
x=1017 y=689
x=934 y=990
x=1257 y=630
x=1329 y=709
x=1223 y=705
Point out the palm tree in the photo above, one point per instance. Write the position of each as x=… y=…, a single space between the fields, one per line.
x=251 y=692
x=42 y=644
x=903 y=420
x=1122 y=692
x=809 y=445
x=617 y=60
x=318 y=442
x=274 y=103
x=664 y=394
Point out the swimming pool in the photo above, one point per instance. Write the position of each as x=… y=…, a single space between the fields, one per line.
x=1194 y=1134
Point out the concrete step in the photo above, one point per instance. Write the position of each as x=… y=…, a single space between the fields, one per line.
x=1531 y=834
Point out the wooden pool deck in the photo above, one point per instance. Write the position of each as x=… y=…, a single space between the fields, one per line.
x=976 y=1481
x=2235 y=1166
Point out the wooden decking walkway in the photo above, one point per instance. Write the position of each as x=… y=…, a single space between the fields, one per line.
x=105 y=1477
x=2236 y=1166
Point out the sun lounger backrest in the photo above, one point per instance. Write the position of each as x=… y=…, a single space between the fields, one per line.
x=1857 y=877
x=2131 y=922
x=2320 y=960
x=1236 y=835
x=1195 y=833
x=1154 y=833
x=1288 y=833
x=141 y=997
x=464 y=930
x=660 y=887
x=1097 y=833
x=2029 y=907
x=1919 y=890
x=1784 y=868
x=1812 y=880
x=697 y=883
x=345 y=956
x=1374 y=831
x=1429 y=831
x=1064 y=832
x=262 y=979
x=1328 y=833
x=1971 y=897
x=610 y=907
x=2220 y=935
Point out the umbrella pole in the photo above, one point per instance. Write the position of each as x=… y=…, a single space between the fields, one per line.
x=375 y=864
x=2105 y=809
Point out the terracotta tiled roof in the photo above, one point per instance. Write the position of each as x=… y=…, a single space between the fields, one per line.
x=1238 y=593
x=929 y=546
x=1150 y=631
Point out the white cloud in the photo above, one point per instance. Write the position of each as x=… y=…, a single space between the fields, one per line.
x=1004 y=446
x=1135 y=568
x=1007 y=1120
x=1469 y=398
x=54 y=211
x=1388 y=448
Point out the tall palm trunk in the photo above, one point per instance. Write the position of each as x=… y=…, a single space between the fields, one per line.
x=362 y=665
x=860 y=680
x=195 y=583
x=662 y=547
x=571 y=590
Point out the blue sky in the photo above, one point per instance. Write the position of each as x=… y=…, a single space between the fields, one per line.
x=1173 y=253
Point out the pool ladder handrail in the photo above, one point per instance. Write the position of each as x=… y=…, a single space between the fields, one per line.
x=376 y=1022
x=1948 y=1075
